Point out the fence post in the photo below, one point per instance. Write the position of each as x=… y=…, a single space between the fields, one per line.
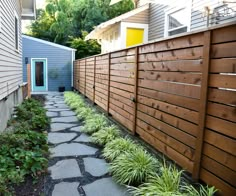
x=135 y=88
x=94 y=78
x=203 y=104
x=78 y=81
x=108 y=85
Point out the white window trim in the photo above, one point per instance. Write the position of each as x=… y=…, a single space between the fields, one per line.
x=171 y=10
x=18 y=26
x=31 y=74
x=123 y=31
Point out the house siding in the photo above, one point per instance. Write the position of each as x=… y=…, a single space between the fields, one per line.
x=57 y=59
x=10 y=59
x=142 y=17
x=198 y=21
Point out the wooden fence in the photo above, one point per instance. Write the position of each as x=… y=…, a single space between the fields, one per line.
x=178 y=94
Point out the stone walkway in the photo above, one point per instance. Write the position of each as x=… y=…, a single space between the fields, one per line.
x=76 y=166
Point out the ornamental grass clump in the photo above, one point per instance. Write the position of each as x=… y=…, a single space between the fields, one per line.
x=165 y=184
x=105 y=134
x=118 y=146
x=94 y=123
x=134 y=168
x=203 y=190
x=84 y=113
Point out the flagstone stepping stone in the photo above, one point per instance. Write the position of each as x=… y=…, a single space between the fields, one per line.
x=62 y=105
x=58 y=109
x=67 y=113
x=104 y=187
x=72 y=149
x=49 y=103
x=49 y=107
x=65 y=169
x=66 y=188
x=56 y=138
x=96 y=167
x=65 y=119
x=51 y=114
x=60 y=126
x=83 y=138
x=77 y=129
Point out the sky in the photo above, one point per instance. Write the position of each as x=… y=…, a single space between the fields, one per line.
x=25 y=23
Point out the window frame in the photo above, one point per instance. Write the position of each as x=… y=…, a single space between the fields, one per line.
x=16 y=41
x=173 y=10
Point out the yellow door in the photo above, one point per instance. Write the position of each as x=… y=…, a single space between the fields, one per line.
x=134 y=36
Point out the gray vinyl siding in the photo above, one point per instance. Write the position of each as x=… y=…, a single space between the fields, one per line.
x=57 y=59
x=142 y=17
x=198 y=21
x=10 y=59
x=157 y=21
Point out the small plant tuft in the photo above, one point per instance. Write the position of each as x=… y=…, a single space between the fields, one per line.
x=167 y=184
x=190 y=190
x=134 y=168
x=105 y=135
x=117 y=147
x=94 y=123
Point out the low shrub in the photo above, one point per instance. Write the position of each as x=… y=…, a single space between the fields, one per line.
x=104 y=135
x=165 y=184
x=134 y=168
x=94 y=123
x=24 y=149
x=32 y=112
x=118 y=146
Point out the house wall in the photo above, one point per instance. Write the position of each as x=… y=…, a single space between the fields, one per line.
x=59 y=60
x=10 y=60
x=198 y=21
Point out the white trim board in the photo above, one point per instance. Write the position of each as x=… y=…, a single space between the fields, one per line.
x=48 y=43
x=31 y=72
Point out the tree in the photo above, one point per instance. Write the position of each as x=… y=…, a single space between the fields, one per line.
x=64 y=21
x=85 y=48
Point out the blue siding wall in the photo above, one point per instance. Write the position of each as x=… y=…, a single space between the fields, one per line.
x=58 y=60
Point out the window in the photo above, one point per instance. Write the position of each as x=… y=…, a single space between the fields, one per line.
x=177 y=21
x=16 y=32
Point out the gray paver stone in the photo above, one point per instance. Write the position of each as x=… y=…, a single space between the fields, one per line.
x=104 y=187
x=49 y=107
x=65 y=119
x=60 y=126
x=83 y=138
x=67 y=113
x=72 y=149
x=77 y=129
x=96 y=167
x=56 y=138
x=58 y=109
x=66 y=189
x=65 y=169
x=61 y=105
x=51 y=114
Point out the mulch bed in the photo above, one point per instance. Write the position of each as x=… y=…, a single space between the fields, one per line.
x=28 y=188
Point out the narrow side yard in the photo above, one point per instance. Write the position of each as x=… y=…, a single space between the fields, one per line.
x=76 y=165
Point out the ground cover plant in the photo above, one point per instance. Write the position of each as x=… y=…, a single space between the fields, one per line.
x=23 y=149
x=118 y=146
x=130 y=164
x=105 y=135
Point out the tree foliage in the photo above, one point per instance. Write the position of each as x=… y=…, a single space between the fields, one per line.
x=66 y=21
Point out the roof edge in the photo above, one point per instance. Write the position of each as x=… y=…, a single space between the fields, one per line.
x=48 y=43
